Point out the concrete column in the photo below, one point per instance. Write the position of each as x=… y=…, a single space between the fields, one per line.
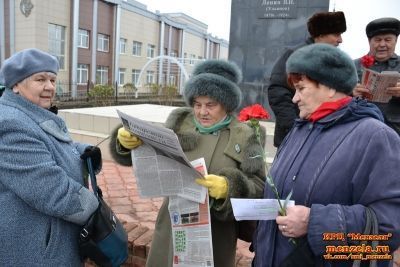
x=2 y=34
x=161 y=48
x=117 y=43
x=182 y=53
x=169 y=53
x=207 y=48
x=12 y=27
x=94 y=43
x=74 y=56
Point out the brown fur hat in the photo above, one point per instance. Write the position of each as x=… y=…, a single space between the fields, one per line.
x=326 y=23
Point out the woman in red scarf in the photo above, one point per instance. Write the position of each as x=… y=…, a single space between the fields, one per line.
x=340 y=161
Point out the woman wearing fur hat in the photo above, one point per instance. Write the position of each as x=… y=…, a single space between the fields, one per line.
x=42 y=198
x=206 y=128
x=382 y=37
x=340 y=161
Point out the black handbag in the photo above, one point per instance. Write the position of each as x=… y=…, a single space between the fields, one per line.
x=103 y=238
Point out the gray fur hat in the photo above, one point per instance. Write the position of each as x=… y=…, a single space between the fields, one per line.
x=217 y=79
x=382 y=26
x=26 y=63
x=325 y=64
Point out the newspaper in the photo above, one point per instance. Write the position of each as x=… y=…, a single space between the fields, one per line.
x=160 y=166
x=377 y=82
x=256 y=209
x=191 y=229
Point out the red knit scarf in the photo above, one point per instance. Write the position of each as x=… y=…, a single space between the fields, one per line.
x=327 y=108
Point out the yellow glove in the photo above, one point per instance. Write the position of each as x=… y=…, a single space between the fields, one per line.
x=127 y=140
x=217 y=185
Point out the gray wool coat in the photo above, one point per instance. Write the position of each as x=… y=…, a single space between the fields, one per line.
x=42 y=199
x=245 y=177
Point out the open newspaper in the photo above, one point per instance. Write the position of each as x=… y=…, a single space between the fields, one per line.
x=191 y=229
x=377 y=82
x=160 y=166
x=162 y=169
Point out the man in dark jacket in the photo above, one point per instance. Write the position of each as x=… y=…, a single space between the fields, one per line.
x=382 y=37
x=324 y=27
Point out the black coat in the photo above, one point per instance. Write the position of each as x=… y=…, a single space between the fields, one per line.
x=280 y=96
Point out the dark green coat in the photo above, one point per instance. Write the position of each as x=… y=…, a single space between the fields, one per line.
x=228 y=153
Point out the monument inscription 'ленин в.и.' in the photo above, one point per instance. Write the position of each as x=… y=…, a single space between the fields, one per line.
x=260 y=32
x=277 y=9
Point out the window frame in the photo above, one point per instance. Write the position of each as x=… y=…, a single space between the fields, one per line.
x=103 y=42
x=83 y=34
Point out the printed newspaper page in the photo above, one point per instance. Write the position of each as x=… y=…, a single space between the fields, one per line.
x=377 y=82
x=160 y=166
x=191 y=229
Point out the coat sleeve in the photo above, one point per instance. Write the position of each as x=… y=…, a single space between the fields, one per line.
x=29 y=170
x=280 y=99
x=376 y=185
x=246 y=181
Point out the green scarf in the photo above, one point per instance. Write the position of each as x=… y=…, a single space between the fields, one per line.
x=219 y=125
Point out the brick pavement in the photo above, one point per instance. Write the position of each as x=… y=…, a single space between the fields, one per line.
x=139 y=214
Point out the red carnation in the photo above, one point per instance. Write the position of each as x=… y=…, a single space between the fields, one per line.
x=367 y=61
x=255 y=111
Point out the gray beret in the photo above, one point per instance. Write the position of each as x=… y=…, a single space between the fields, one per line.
x=217 y=79
x=382 y=26
x=326 y=23
x=325 y=64
x=26 y=63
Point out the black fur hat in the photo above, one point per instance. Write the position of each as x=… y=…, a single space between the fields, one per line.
x=382 y=26
x=217 y=79
x=326 y=23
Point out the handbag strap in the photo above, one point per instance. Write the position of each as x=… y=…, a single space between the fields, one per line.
x=371 y=228
x=93 y=181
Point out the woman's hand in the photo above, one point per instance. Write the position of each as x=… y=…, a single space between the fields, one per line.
x=295 y=223
x=217 y=185
x=128 y=140
x=394 y=91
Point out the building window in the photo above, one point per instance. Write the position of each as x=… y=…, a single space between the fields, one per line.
x=57 y=43
x=151 y=50
x=103 y=42
x=192 y=59
x=122 y=46
x=150 y=77
x=135 y=76
x=102 y=75
x=83 y=38
x=137 y=48
x=121 y=76
x=173 y=54
x=83 y=73
x=184 y=57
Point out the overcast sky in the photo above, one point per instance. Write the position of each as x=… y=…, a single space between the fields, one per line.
x=216 y=14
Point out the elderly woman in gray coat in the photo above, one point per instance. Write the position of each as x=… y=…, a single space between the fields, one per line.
x=42 y=198
x=206 y=128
